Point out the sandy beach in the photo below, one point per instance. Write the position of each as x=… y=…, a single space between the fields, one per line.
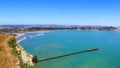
x=37 y=31
x=18 y=35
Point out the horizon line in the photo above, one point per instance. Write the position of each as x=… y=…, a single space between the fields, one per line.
x=60 y=25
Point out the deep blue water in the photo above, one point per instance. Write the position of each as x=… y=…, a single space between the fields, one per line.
x=62 y=42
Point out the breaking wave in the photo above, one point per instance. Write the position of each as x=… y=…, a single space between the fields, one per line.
x=21 y=39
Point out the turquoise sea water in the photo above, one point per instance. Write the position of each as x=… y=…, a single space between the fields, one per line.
x=62 y=42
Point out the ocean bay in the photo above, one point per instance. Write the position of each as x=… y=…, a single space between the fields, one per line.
x=61 y=42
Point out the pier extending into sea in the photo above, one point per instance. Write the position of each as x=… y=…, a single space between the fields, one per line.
x=88 y=50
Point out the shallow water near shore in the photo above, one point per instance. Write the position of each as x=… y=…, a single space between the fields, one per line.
x=60 y=42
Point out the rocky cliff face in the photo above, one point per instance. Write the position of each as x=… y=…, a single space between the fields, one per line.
x=25 y=56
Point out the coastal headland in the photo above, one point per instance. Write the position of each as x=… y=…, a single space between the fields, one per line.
x=12 y=54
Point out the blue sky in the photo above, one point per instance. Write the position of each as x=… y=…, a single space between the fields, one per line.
x=64 y=12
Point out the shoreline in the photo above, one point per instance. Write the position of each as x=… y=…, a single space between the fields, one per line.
x=26 y=57
x=18 y=35
x=21 y=34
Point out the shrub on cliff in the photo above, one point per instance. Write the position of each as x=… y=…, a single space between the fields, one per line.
x=34 y=59
x=12 y=42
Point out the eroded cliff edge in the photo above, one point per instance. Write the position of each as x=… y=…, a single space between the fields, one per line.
x=25 y=58
x=13 y=55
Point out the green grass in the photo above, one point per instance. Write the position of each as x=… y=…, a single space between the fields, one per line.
x=12 y=42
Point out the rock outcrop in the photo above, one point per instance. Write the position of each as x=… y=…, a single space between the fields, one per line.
x=25 y=56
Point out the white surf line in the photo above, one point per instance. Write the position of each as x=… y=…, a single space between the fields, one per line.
x=18 y=41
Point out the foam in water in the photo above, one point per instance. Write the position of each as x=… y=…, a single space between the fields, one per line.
x=18 y=41
x=30 y=36
x=40 y=34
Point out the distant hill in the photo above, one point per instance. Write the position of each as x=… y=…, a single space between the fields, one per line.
x=27 y=28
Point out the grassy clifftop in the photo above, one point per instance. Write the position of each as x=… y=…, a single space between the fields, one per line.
x=12 y=55
x=7 y=59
